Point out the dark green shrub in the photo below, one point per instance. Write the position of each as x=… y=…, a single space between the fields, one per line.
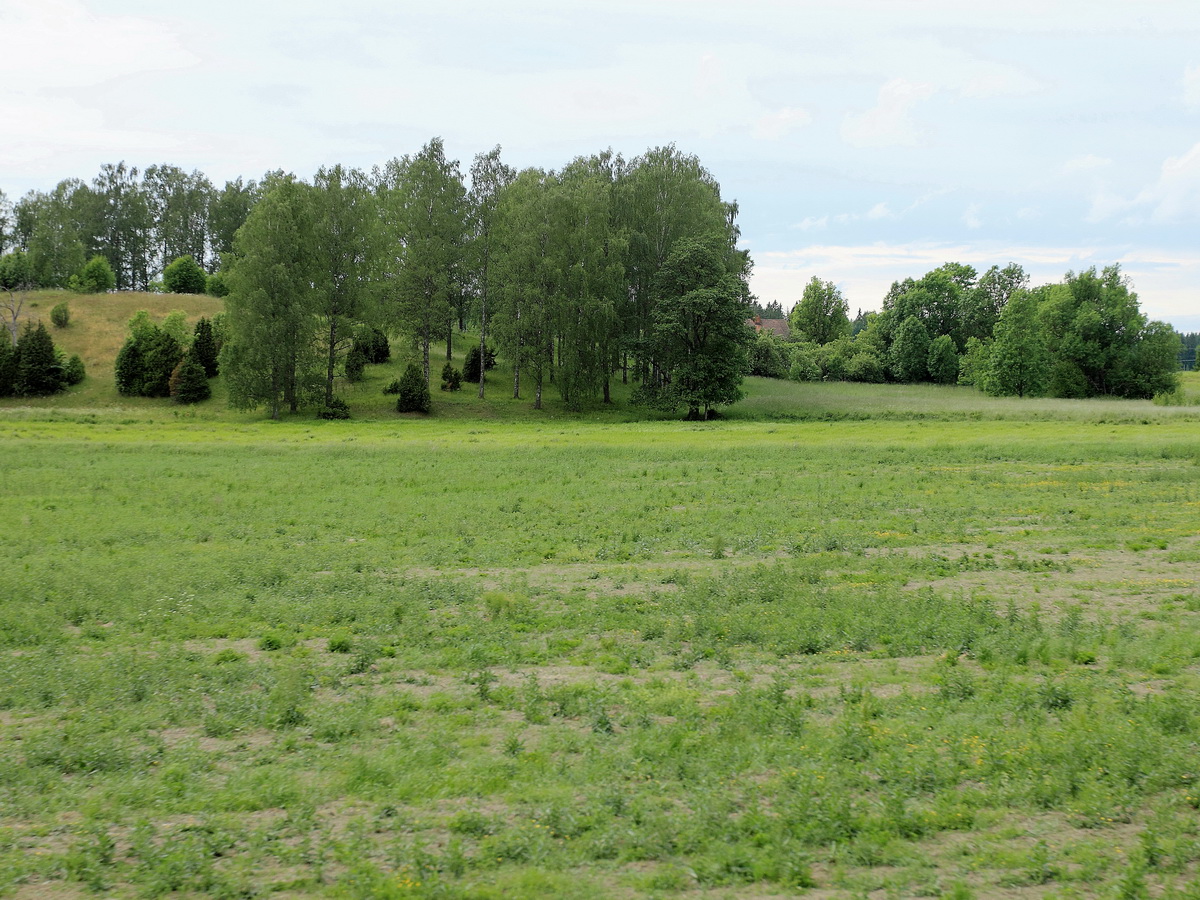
x=39 y=371
x=215 y=286
x=270 y=642
x=451 y=378
x=340 y=643
x=414 y=391
x=470 y=369
x=204 y=347
x=356 y=364
x=184 y=276
x=334 y=409
x=188 y=382
x=373 y=344
x=943 y=360
x=766 y=359
x=866 y=367
x=73 y=371
x=8 y=368
x=60 y=315
x=393 y=387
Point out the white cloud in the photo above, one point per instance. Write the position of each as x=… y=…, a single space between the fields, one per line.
x=971 y=218
x=773 y=126
x=889 y=122
x=1086 y=163
x=1174 y=197
x=1191 y=87
x=812 y=223
x=880 y=211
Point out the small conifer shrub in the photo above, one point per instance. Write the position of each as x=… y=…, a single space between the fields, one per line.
x=414 y=391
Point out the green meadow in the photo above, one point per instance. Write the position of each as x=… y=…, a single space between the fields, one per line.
x=849 y=641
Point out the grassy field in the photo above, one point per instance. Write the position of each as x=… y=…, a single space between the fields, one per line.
x=849 y=642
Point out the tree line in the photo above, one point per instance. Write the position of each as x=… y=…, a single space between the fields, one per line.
x=1082 y=337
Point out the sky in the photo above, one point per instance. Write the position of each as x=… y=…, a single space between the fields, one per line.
x=864 y=141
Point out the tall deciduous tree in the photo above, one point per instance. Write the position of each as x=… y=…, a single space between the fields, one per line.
x=269 y=353
x=178 y=204
x=1018 y=362
x=345 y=260
x=228 y=210
x=822 y=315
x=16 y=278
x=700 y=335
x=425 y=212
x=489 y=177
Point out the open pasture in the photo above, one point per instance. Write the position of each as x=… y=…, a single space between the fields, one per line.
x=892 y=657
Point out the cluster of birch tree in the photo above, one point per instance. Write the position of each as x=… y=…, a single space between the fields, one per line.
x=575 y=276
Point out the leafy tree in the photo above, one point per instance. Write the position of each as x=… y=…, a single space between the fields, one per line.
x=178 y=205
x=146 y=361
x=269 y=351
x=983 y=304
x=346 y=252
x=215 y=286
x=204 y=347
x=425 y=213
x=909 y=354
x=1018 y=362
x=489 y=177
x=821 y=315
x=184 y=276
x=804 y=363
x=943 y=360
x=766 y=357
x=96 y=277
x=865 y=366
x=50 y=229
x=188 y=382
x=228 y=210
x=700 y=335
x=975 y=364
x=1152 y=365
x=39 y=371
x=414 y=391
x=124 y=225
x=16 y=279
x=372 y=344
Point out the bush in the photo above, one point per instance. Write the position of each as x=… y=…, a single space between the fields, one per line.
x=204 y=347
x=184 y=276
x=766 y=357
x=470 y=369
x=215 y=286
x=393 y=387
x=8 y=368
x=73 y=371
x=414 y=391
x=451 y=378
x=804 y=365
x=39 y=371
x=356 y=364
x=61 y=315
x=96 y=277
x=943 y=360
x=373 y=345
x=334 y=409
x=866 y=367
x=147 y=360
x=188 y=382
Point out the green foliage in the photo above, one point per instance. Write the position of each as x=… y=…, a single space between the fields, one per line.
x=373 y=345
x=767 y=357
x=451 y=378
x=975 y=364
x=73 y=370
x=471 y=369
x=215 y=285
x=9 y=363
x=189 y=383
x=60 y=315
x=356 y=364
x=699 y=327
x=414 y=391
x=204 y=347
x=392 y=387
x=943 y=361
x=184 y=276
x=147 y=360
x=337 y=408
x=95 y=278
x=866 y=367
x=822 y=315
x=1017 y=362
x=805 y=364
x=909 y=354
x=39 y=371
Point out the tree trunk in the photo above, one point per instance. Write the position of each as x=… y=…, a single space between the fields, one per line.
x=607 y=395
x=449 y=339
x=332 y=360
x=483 y=346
